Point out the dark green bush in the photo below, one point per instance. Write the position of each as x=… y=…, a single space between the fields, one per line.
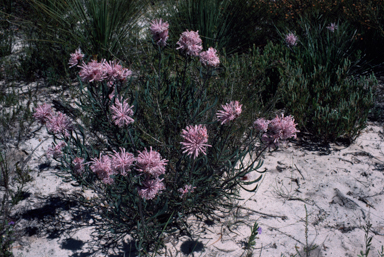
x=252 y=78
x=321 y=82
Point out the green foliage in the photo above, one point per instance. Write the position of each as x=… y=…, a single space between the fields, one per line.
x=98 y=27
x=368 y=241
x=250 y=245
x=8 y=180
x=6 y=32
x=251 y=78
x=320 y=83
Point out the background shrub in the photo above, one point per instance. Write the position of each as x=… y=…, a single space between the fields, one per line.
x=321 y=82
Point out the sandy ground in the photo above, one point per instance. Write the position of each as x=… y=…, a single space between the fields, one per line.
x=310 y=196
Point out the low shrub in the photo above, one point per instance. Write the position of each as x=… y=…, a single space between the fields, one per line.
x=154 y=144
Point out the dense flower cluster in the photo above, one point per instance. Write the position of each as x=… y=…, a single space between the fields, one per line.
x=103 y=168
x=100 y=71
x=121 y=113
x=187 y=189
x=75 y=58
x=231 y=111
x=291 y=39
x=332 y=27
x=151 y=164
x=159 y=30
x=122 y=161
x=190 y=42
x=195 y=139
x=57 y=123
x=280 y=128
x=209 y=57
x=42 y=112
x=55 y=151
x=151 y=187
x=116 y=72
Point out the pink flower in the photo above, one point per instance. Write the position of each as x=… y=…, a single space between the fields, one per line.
x=42 y=113
x=55 y=151
x=187 y=188
x=122 y=161
x=151 y=163
x=190 y=42
x=231 y=111
x=59 y=123
x=332 y=27
x=159 y=30
x=280 y=128
x=291 y=39
x=78 y=164
x=103 y=168
x=209 y=57
x=195 y=139
x=93 y=71
x=261 y=125
x=75 y=58
x=285 y=126
x=116 y=72
x=150 y=188
x=121 y=113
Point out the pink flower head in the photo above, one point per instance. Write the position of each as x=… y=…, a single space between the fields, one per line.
x=75 y=58
x=332 y=27
x=159 y=30
x=190 y=42
x=78 y=165
x=42 y=113
x=280 y=128
x=209 y=57
x=121 y=113
x=291 y=39
x=151 y=163
x=55 y=151
x=59 y=123
x=103 y=168
x=122 y=161
x=150 y=188
x=195 y=139
x=286 y=125
x=187 y=188
x=116 y=72
x=231 y=111
x=93 y=71
x=261 y=125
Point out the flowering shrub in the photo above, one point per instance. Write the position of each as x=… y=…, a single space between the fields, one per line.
x=158 y=148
